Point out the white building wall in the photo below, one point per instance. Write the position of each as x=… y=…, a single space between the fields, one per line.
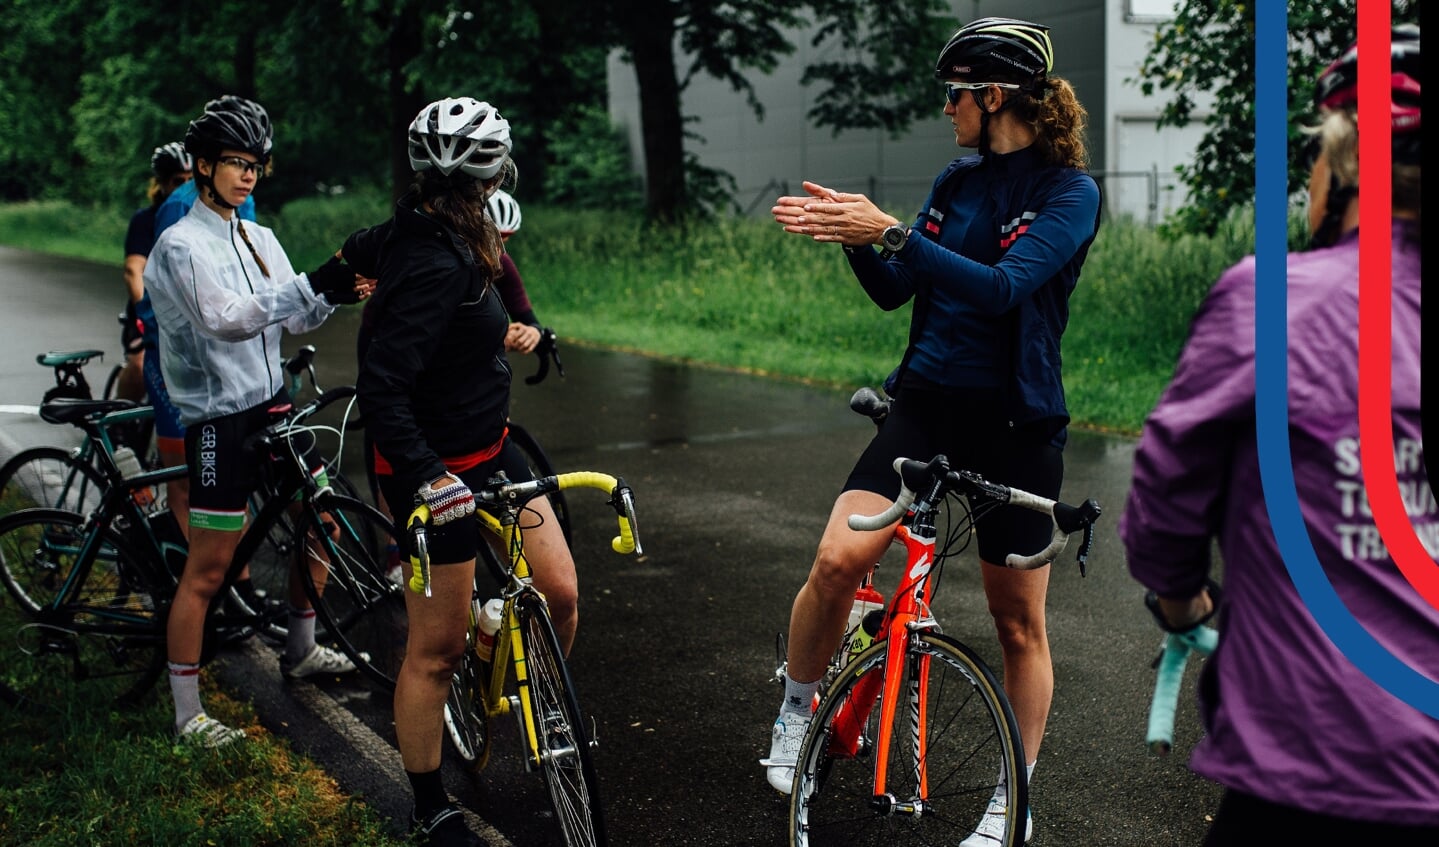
x=1096 y=46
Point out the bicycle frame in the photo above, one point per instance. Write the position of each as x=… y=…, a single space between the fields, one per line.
x=908 y=611
x=498 y=511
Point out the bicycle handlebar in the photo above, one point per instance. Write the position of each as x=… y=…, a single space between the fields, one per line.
x=515 y=495
x=1173 y=656
x=547 y=349
x=1066 y=518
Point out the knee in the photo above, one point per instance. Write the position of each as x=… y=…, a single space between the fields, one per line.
x=837 y=570
x=438 y=662
x=1019 y=631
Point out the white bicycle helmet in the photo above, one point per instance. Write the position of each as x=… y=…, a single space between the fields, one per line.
x=505 y=212
x=459 y=133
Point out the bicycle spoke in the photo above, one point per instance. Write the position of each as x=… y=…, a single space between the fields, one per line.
x=969 y=738
x=562 y=735
x=105 y=636
x=363 y=611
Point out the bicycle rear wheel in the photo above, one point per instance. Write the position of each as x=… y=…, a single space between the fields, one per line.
x=50 y=477
x=541 y=467
x=94 y=630
x=563 y=737
x=949 y=698
x=361 y=609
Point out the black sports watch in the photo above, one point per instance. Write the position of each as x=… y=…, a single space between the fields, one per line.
x=894 y=238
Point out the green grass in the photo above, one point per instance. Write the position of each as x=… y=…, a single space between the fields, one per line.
x=78 y=772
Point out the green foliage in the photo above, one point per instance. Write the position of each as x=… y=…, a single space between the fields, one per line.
x=1207 y=50
x=78 y=772
x=590 y=166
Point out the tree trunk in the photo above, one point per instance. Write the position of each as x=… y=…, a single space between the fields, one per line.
x=402 y=46
x=651 y=47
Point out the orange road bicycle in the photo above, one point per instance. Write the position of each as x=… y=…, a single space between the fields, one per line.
x=912 y=737
x=526 y=675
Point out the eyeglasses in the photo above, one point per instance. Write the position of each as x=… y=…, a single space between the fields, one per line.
x=243 y=165
x=952 y=89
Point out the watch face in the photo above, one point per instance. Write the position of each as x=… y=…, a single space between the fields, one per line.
x=893 y=237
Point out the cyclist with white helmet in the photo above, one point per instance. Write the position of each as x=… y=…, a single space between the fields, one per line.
x=434 y=386
x=222 y=293
x=524 y=332
x=170 y=168
x=989 y=263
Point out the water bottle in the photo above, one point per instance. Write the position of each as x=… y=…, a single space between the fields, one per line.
x=856 y=639
x=490 y=616
x=129 y=466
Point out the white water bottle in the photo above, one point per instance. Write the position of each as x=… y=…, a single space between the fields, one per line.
x=129 y=465
x=490 y=616
x=856 y=639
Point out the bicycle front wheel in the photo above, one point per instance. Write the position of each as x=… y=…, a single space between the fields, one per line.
x=360 y=607
x=953 y=742
x=82 y=623
x=50 y=477
x=563 y=738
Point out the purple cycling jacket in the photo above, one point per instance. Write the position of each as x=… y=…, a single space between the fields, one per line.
x=1287 y=718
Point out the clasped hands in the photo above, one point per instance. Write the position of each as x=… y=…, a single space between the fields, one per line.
x=833 y=216
x=338 y=283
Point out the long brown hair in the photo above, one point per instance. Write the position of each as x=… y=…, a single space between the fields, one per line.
x=458 y=201
x=1058 y=120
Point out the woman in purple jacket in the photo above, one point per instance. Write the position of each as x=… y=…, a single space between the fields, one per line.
x=1304 y=742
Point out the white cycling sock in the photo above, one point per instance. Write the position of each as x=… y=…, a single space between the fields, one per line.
x=185 y=691
x=301 y=634
x=798 y=696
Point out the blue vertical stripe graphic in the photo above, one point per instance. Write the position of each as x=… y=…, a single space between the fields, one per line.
x=1271 y=376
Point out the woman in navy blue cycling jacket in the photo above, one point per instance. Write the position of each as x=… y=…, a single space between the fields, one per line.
x=989 y=263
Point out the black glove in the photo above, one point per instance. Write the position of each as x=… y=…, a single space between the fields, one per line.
x=335 y=281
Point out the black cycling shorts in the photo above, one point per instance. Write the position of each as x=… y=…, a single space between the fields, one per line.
x=457 y=541
x=225 y=470
x=969 y=427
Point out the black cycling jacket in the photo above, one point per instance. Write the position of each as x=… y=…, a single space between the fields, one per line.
x=433 y=380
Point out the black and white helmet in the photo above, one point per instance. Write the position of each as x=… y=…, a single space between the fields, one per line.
x=998 y=50
x=460 y=133
x=170 y=159
x=505 y=211
x=231 y=123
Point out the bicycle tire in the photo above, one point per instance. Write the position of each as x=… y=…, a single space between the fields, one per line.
x=564 y=740
x=112 y=382
x=972 y=743
x=50 y=477
x=467 y=721
x=107 y=633
x=541 y=467
x=362 y=610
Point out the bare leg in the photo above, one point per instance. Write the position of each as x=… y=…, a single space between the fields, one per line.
x=1016 y=601
x=553 y=568
x=821 y=607
x=437 y=641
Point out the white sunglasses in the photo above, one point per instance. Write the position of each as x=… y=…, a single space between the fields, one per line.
x=952 y=89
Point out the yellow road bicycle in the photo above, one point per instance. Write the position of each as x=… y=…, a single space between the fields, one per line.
x=526 y=675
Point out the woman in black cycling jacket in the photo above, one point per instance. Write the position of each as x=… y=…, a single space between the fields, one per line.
x=435 y=388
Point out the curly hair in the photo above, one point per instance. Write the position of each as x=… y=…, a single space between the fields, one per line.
x=1336 y=138
x=1058 y=120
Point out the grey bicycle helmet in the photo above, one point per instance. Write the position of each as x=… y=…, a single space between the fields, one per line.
x=505 y=211
x=998 y=50
x=170 y=159
x=231 y=123
x=460 y=133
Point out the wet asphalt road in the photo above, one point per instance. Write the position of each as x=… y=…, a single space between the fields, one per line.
x=734 y=476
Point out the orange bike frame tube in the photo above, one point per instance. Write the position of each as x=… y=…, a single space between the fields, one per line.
x=912 y=596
